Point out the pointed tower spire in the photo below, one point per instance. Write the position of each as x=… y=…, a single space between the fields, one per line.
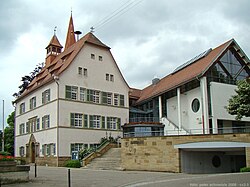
x=70 y=39
x=53 y=49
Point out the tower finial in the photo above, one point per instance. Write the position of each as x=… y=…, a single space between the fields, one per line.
x=55 y=30
x=92 y=29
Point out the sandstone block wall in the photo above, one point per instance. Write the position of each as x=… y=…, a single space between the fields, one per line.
x=159 y=154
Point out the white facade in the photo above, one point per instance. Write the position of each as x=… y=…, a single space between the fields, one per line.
x=100 y=74
x=193 y=122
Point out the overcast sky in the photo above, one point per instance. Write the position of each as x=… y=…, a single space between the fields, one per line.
x=150 y=39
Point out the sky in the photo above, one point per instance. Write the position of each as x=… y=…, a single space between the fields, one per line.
x=148 y=38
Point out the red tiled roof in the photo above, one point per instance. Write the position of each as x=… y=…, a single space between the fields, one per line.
x=55 y=42
x=61 y=62
x=70 y=39
x=186 y=74
x=134 y=93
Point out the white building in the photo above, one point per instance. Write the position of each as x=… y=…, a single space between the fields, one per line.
x=79 y=97
x=192 y=99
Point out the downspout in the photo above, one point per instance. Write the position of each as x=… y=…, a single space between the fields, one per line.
x=56 y=78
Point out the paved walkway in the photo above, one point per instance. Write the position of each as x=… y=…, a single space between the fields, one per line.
x=53 y=176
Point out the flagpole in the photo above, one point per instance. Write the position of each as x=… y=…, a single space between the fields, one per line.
x=3 y=129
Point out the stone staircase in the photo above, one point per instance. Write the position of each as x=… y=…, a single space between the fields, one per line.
x=111 y=160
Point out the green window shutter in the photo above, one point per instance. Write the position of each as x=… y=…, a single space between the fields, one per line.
x=108 y=122
x=90 y=121
x=88 y=95
x=103 y=122
x=104 y=97
x=43 y=122
x=68 y=92
x=43 y=97
x=49 y=95
x=118 y=123
x=121 y=100
x=72 y=115
x=30 y=103
x=85 y=120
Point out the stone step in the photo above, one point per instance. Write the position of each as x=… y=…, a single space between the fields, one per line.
x=111 y=160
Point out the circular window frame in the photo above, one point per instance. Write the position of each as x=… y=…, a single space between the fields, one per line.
x=216 y=161
x=195 y=105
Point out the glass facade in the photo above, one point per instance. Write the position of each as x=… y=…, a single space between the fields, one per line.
x=228 y=70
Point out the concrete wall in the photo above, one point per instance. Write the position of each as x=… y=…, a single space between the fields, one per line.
x=159 y=154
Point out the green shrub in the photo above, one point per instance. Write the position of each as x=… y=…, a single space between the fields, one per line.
x=245 y=169
x=73 y=164
x=4 y=153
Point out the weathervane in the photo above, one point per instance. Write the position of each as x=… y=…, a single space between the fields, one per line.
x=92 y=29
x=55 y=30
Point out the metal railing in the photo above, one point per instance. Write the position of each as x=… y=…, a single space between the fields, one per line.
x=144 y=119
x=143 y=134
x=225 y=130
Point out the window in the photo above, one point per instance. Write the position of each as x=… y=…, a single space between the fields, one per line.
x=93 y=56
x=45 y=122
x=96 y=96
x=46 y=96
x=76 y=120
x=100 y=58
x=22 y=108
x=79 y=70
x=111 y=123
x=109 y=98
x=33 y=103
x=116 y=101
x=112 y=78
x=21 y=129
x=71 y=92
x=195 y=105
x=77 y=146
x=49 y=149
x=82 y=94
x=85 y=72
x=107 y=77
x=38 y=124
x=21 y=151
x=95 y=121
x=53 y=149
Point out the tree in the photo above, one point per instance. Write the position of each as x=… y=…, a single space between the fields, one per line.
x=239 y=104
x=9 y=134
x=28 y=79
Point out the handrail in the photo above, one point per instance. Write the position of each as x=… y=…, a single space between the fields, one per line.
x=96 y=149
x=176 y=126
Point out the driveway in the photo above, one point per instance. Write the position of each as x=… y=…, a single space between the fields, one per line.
x=58 y=176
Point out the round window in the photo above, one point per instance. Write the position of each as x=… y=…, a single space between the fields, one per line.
x=195 y=105
x=216 y=161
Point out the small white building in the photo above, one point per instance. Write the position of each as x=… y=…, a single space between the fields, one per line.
x=79 y=97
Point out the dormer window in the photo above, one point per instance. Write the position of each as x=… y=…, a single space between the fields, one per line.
x=93 y=56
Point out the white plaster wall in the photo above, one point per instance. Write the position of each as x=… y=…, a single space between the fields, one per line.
x=220 y=94
x=78 y=135
x=42 y=137
x=190 y=119
x=97 y=70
